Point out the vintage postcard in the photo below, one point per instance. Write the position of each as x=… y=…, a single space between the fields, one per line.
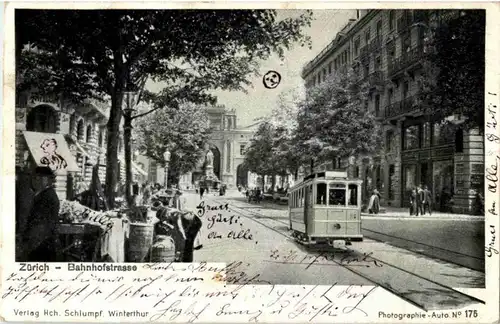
x=250 y=162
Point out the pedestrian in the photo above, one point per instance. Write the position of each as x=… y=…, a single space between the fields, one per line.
x=202 y=191
x=374 y=204
x=413 y=201
x=427 y=200
x=420 y=200
x=40 y=236
x=146 y=193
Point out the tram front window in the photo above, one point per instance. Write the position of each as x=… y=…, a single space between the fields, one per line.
x=321 y=194
x=336 y=196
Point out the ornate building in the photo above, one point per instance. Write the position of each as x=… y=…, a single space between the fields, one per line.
x=80 y=131
x=386 y=47
x=227 y=143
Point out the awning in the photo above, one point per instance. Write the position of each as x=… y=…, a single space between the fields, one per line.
x=135 y=167
x=51 y=150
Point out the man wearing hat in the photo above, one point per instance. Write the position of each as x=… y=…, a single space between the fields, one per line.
x=39 y=239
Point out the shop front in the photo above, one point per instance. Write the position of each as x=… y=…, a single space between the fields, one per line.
x=433 y=168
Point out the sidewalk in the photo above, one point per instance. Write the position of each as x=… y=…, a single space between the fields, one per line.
x=391 y=212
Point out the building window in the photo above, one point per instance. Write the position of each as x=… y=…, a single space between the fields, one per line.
x=390 y=95
x=379 y=28
x=378 y=63
x=392 y=20
x=80 y=130
x=391 y=50
x=426 y=135
x=392 y=172
x=101 y=137
x=410 y=137
x=319 y=78
x=89 y=134
x=324 y=75
x=330 y=68
x=389 y=141
x=377 y=105
x=42 y=119
x=366 y=69
x=242 y=149
x=406 y=89
x=356 y=46
x=367 y=36
x=459 y=141
x=406 y=44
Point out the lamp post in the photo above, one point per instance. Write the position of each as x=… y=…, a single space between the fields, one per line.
x=130 y=99
x=166 y=157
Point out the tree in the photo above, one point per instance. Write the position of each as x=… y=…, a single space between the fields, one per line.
x=258 y=154
x=334 y=123
x=284 y=119
x=454 y=67
x=183 y=131
x=113 y=51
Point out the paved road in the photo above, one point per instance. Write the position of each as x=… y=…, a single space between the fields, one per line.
x=458 y=240
x=255 y=244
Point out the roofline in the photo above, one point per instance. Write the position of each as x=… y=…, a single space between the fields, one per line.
x=320 y=58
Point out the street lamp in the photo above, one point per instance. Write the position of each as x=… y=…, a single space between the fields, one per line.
x=166 y=157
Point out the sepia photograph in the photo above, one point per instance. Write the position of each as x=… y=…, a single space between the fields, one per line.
x=297 y=147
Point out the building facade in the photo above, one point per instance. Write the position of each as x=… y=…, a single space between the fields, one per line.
x=386 y=47
x=227 y=143
x=84 y=129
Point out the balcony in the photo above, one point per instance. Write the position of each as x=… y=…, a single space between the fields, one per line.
x=364 y=52
x=407 y=60
x=376 y=78
x=405 y=106
x=376 y=44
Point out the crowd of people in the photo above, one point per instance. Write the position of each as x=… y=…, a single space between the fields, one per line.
x=420 y=201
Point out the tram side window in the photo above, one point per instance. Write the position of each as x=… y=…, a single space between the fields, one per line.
x=321 y=194
x=353 y=195
x=336 y=195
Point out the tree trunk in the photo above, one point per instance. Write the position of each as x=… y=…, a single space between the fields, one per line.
x=296 y=174
x=127 y=139
x=312 y=166
x=113 y=128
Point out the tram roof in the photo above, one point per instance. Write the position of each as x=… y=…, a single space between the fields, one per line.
x=329 y=175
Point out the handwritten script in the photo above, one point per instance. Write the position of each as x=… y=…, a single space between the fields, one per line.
x=492 y=172
x=222 y=224
x=174 y=292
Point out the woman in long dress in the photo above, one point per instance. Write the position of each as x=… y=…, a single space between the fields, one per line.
x=374 y=205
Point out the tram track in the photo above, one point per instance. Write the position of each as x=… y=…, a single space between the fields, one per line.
x=457 y=258
x=377 y=237
x=440 y=294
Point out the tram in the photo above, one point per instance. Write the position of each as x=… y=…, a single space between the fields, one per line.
x=326 y=207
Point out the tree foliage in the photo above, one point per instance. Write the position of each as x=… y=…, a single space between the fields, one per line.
x=183 y=131
x=333 y=121
x=454 y=67
x=259 y=152
x=107 y=52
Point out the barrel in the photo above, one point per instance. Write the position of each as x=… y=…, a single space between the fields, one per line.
x=139 y=241
x=163 y=249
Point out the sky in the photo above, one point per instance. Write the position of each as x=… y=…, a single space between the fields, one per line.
x=259 y=101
